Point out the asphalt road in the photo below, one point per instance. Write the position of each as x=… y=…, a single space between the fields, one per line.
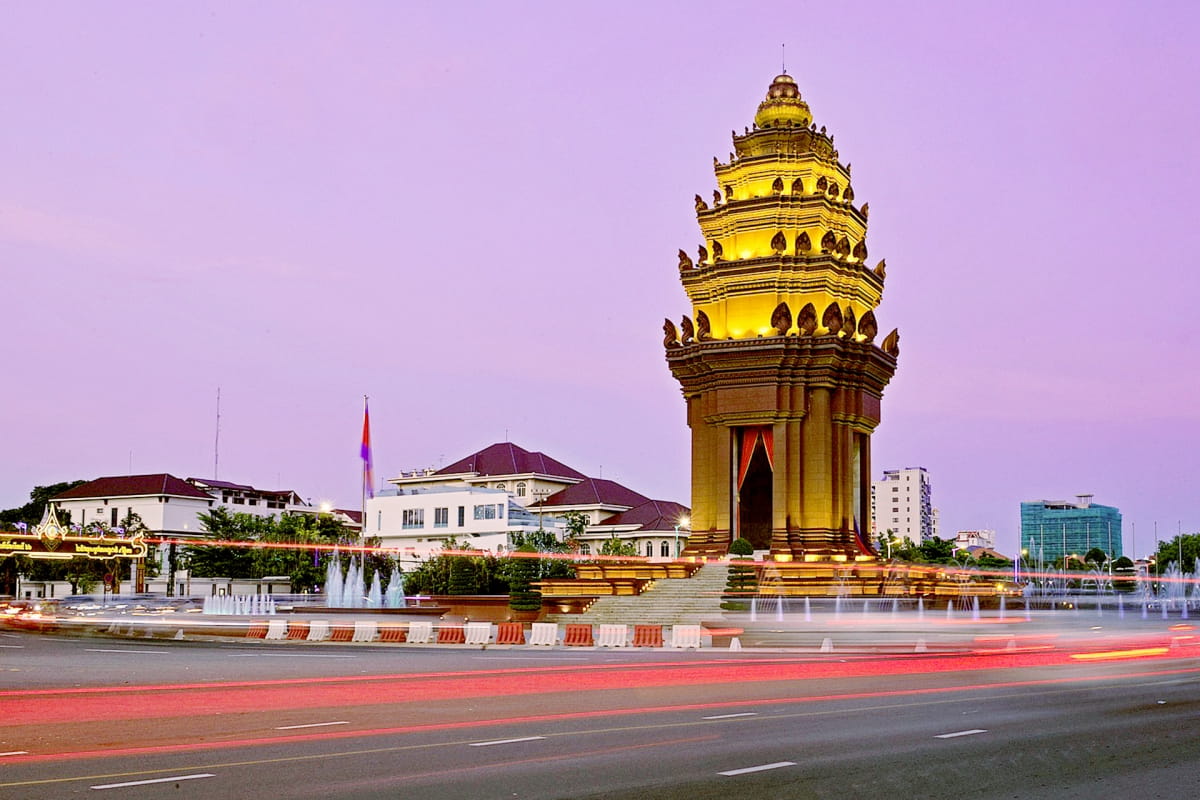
x=86 y=716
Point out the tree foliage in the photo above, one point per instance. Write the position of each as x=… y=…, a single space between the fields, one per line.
x=615 y=547
x=1168 y=553
x=31 y=512
x=522 y=571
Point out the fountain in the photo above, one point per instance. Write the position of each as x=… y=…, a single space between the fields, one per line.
x=395 y=592
x=375 y=595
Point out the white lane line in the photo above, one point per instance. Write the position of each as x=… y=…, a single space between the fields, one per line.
x=507 y=741
x=731 y=716
x=133 y=650
x=13 y=646
x=285 y=655
x=156 y=780
x=15 y=753
x=971 y=732
x=310 y=725
x=547 y=657
x=760 y=768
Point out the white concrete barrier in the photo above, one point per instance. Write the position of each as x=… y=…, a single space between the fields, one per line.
x=365 y=630
x=684 y=636
x=419 y=632
x=613 y=636
x=827 y=645
x=544 y=633
x=478 y=632
x=318 y=630
x=276 y=629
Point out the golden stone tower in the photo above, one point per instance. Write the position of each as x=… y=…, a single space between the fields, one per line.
x=780 y=369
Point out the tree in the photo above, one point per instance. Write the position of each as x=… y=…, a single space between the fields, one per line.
x=31 y=513
x=937 y=551
x=615 y=547
x=743 y=578
x=1168 y=553
x=1096 y=557
x=577 y=523
x=522 y=595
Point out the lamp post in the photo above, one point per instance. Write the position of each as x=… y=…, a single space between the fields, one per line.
x=681 y=522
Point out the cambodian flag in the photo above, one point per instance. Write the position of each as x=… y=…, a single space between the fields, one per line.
x=368 y=467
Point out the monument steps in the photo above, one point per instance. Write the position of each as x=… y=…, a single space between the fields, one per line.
x=669 y=601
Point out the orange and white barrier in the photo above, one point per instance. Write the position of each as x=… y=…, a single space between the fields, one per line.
x=544 y=633
x=276 y=629
x=365 y=630
x=318 y=630
x=685 y=636
x=613 y=636
x=420 y=632
x=479 y=632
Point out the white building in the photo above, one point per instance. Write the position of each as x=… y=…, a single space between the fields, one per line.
x=540 y=490
x=420 y=521
x=980 y=538
x=902 y=505
x=167 y=506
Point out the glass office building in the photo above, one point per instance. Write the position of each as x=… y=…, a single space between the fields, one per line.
x=1050 y=528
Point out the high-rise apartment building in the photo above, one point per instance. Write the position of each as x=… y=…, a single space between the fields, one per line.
x=902 y=505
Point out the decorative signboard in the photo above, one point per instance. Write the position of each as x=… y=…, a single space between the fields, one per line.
x=53 y=540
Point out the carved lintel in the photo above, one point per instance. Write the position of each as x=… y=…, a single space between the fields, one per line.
x=891 y=343
x=728 y=193
x=781 y=319
x=716 y=198
x=779 y=242
x=797 y=186
x=685 y=262
x=849 y=323
x=807 y=320
x=803 y=243
x=881 y=269
x=860 y=250
x=828 y=242
x=703 y=328
x=700 y=204
x=718 y=251
x=777 y=186
x=848 y=195
x=703 y=254
x=822 y=185
x=865 y=210
x=670 y=336
x=688 y=334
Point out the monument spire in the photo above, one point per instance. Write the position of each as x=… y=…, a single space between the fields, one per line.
x=780 y=369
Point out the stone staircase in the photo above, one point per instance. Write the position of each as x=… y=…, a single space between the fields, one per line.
x=670 y=601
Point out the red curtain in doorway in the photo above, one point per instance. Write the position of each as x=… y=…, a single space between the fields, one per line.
x=751 y=436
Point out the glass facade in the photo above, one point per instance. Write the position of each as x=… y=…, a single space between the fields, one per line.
x=1051 y=528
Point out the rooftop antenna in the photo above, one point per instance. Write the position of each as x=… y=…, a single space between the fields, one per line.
x=217 y=438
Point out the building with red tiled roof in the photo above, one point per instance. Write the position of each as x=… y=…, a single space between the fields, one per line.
x=165 y=504
x=419 y=512
x=528 y=476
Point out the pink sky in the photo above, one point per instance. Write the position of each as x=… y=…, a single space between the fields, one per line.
x=471 y=214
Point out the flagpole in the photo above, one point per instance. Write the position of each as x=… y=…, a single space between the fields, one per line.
x=366 y=466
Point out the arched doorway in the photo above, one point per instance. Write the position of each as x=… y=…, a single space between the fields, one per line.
x=755 y=486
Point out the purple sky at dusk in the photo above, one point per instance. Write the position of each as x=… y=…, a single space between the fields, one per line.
x=471 y=214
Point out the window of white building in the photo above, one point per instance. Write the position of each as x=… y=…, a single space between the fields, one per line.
x=441 y=517
x=413 y=518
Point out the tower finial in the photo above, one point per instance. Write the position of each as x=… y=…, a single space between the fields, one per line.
x=783 y=57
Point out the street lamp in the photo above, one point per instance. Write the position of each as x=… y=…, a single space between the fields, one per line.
x=681 y=522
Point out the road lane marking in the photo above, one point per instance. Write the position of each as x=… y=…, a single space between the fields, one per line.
x=286 y=655
x=13 y=646
x=971 y=732
x=310 y=725
x=761 y=768
x=506 y=741
x=547 y=657
x=15 y=753
x=133 y=650
x=731 y=716
x=155 y=780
